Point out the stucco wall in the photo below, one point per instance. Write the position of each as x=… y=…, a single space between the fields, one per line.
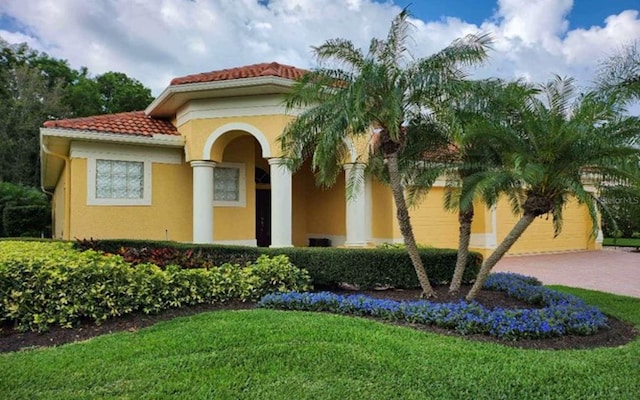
x=168 y=217
x=318 y=212
x=538 y=237
x=436 y=227
x=432 y=225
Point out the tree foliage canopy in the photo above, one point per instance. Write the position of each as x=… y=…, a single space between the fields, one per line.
x=35 y=87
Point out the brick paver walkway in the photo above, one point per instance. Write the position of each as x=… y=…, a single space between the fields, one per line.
x=608 y=270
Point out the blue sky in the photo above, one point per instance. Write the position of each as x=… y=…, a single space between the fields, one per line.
x=156 y=40
x=584 y=14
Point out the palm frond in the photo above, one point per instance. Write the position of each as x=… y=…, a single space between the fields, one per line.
x=341 y=51
x=392 y=53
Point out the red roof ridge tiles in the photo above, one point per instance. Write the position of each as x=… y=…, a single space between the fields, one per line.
x=129 y=123
x=248 y=71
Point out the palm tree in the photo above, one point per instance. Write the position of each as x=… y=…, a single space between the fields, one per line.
x=619 y=74
x=472 y=169
x=382 y=90
x=548 y=147
x=473 y=176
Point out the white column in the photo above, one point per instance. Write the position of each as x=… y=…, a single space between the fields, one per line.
x=281 y=214
x=203 y=201
x=356 y=205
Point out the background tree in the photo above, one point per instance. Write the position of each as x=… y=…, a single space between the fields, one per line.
x=384 y=89
x=119 y=93
x=29 y=102
x=621 y=217
x=548 y=148
x=12 y=195
x=35 y=87
x=619 y=76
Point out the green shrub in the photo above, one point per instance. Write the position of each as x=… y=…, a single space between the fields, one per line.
x=17 y=195
x=366 y=268
x=49 y=283
x=164 y=253
x=28 y=221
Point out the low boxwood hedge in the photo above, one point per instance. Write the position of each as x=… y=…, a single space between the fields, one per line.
x=366 y=268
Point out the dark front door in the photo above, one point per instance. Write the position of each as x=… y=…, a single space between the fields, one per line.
x=263 y=217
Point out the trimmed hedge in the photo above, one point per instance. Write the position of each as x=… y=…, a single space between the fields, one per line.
x=49 y=283
x=366 y=268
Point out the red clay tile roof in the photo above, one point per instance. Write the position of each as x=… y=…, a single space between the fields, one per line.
x=249 y=71
x=128 y=123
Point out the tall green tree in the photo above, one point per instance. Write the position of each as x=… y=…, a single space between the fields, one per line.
x=619 y=76
x=555 y=139
x=29 y=101
x=383 y=89
x=119 y=93
x=35 y=87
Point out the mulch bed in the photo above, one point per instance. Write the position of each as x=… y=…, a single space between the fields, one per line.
x=618 y=333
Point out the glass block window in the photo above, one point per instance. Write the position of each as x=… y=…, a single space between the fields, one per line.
x=119 y=179
x=226 y=184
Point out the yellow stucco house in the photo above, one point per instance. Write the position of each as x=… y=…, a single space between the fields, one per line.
x=201 y=164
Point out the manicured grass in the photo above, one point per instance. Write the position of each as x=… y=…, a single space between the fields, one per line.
x=621 y=242
x=265 y=354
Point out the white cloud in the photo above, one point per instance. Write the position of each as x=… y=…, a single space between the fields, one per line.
x=154 y=41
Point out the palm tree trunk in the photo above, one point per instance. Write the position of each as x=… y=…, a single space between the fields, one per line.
x=405 y=225
x=465 y=218
x=517 y=231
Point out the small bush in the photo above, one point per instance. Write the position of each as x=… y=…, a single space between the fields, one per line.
x=562 y=314
x=28 y=221
x=366 y=268
x=49 y=283
x=165 y=253
x=12 y=195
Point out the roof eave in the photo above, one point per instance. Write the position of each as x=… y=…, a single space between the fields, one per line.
x=174 y=96
x=48 y=181
x=157 y=139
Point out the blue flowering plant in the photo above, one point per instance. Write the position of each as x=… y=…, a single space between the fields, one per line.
x=560 y=314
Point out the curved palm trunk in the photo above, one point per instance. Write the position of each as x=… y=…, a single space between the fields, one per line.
x=405 y=225
x=465 y=218
x=517 y=231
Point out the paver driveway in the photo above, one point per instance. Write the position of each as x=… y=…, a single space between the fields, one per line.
x=614 y=271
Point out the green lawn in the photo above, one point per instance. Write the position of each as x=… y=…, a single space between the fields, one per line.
x=622 y=242
x=264 y=354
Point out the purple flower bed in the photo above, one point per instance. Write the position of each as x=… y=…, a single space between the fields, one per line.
x=562 y=314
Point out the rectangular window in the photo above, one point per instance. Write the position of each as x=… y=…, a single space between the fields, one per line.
x=226 y=184
x=117 y=179
x=229 y=185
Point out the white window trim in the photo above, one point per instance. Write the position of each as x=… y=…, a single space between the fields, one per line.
x=92 y=200
x=116 y=152
x=242 y=185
